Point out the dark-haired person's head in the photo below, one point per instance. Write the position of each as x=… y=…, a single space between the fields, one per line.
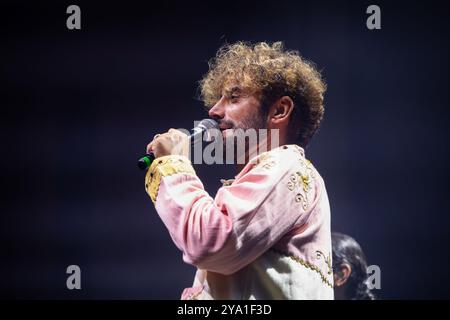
x=350 y=269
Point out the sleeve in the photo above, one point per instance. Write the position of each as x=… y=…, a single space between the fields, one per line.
x=225 y=233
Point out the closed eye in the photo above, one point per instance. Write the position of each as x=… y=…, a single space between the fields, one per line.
x=234 y=98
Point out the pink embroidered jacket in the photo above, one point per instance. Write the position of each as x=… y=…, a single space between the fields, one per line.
x=264 y=236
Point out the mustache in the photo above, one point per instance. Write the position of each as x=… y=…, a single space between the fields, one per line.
x=227 y=123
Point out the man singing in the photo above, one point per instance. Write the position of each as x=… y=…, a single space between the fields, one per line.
x=265 y=235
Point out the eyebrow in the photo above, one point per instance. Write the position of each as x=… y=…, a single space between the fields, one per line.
x=235 y=89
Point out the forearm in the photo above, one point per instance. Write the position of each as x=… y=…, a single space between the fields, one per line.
x=196 y=225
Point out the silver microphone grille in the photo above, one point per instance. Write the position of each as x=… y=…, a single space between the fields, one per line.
x=208 y=124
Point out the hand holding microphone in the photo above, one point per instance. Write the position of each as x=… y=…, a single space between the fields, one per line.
x=174 y=142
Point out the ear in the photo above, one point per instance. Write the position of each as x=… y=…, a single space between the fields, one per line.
x=342 y=275
x=280 y=111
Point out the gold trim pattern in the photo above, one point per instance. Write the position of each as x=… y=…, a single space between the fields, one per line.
x=265 y=160
x=327 y=260
x=162 y=167
x=306 y=264
x=301 y=182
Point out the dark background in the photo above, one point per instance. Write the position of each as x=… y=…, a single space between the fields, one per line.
x=79 y=107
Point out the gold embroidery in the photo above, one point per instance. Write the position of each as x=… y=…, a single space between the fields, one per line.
x=301 y=179
x=305 y=182
x=308 y=265
x=327 y=260
x=162 y=167
x=290 y=185
x=265 y=160
x=300 y=198
x=269 y=165
x=299 y=150
x=226 y=182
x=294 y=178
x=261 y=159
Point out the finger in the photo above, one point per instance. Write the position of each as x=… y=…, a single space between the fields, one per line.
x=150 y=147
x=178 y=133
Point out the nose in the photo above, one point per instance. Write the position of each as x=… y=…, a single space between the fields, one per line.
x=217 y=112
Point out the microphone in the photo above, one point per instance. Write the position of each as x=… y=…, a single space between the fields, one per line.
x=196 y=134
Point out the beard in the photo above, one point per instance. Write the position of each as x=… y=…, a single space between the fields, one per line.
x=236 y=141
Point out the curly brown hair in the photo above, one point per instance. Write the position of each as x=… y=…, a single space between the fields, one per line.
x=269 y=72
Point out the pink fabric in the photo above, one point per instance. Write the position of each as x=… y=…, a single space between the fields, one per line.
x=255 y=213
